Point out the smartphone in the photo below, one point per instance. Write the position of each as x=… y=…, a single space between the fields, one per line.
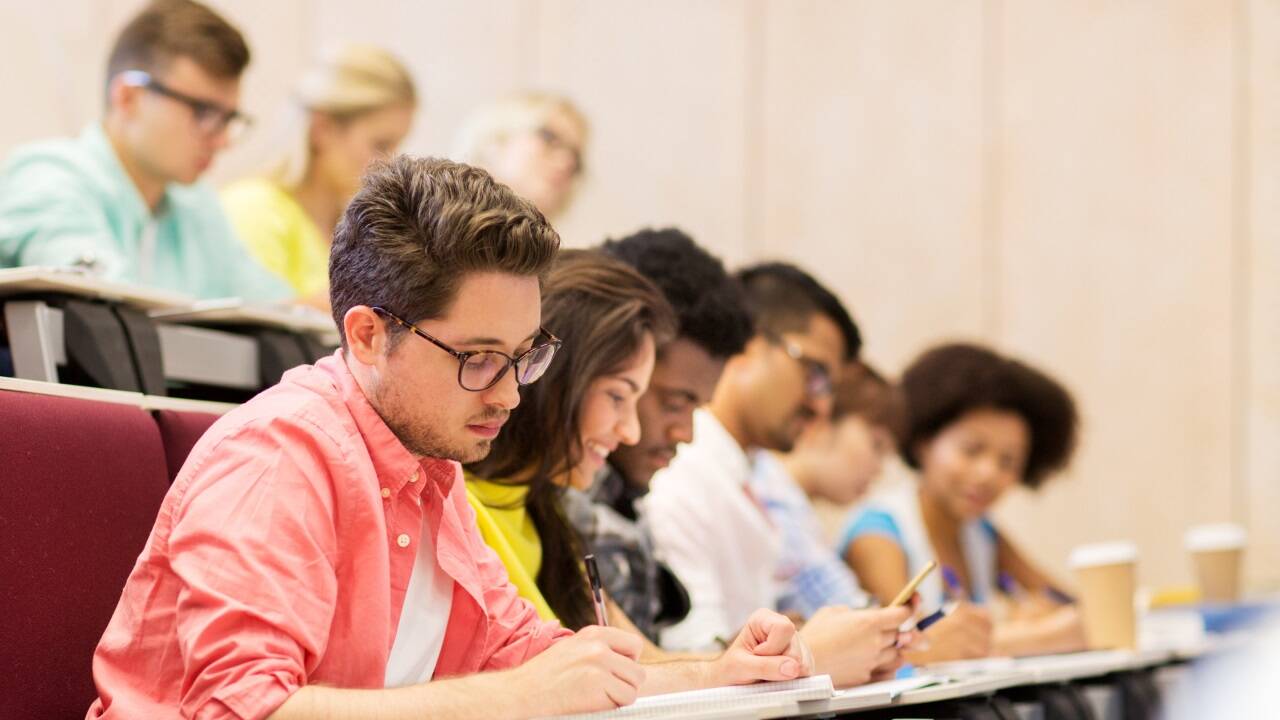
x=910 y=588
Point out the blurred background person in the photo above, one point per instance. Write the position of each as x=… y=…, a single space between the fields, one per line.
x=534 y=143
x=977 y=424
x=835 y=461
x=355 y=105
x=122 y=200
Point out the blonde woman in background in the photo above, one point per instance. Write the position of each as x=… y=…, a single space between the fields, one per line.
x=354 y=106
x=533 y=143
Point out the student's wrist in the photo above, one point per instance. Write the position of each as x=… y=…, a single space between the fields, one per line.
x=509 y=694
x=717 y=672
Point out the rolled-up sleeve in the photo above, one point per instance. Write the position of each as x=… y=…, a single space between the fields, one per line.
x=253 y=545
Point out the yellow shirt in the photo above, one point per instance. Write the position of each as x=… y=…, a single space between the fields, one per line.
x=506 y=527
x=279 y=233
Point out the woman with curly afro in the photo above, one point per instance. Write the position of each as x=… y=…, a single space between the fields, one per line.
x=977 y=424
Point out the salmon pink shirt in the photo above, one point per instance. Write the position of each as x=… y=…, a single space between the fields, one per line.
x=281 y=557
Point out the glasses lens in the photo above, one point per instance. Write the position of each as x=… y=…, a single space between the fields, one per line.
x=819 y=382
x=482 y=369
x=213 y=121
x=532 y=365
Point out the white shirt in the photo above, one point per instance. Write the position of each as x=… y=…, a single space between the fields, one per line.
x=713 y=535
x=427 y=605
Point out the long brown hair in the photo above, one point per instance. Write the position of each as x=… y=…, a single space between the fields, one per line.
x=602 y=309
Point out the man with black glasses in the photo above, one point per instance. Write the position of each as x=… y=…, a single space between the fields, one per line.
x=121 y=200
x=316 y=556
x=318 y=539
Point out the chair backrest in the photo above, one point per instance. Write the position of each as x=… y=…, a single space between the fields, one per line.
x=80 y=484
x=179 y=431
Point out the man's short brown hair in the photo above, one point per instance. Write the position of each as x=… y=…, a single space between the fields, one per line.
x=168 y=29
x=418 y=226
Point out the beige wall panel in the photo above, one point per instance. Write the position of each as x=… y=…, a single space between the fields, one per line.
x=1262 y=263
x=663 y=83
x=871 y=169
x=1115 y=260
x=55 y=55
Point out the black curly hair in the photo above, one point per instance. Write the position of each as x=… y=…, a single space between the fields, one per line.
x=783 y=298
x=950 y=380
x=709 y=304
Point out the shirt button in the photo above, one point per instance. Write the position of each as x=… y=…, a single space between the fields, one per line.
x=402 y=540
x=414 y=477
x=386 y=492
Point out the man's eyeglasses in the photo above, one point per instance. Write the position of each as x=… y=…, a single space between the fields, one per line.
x=482 y=369
x=210 y=117
x=817 y=378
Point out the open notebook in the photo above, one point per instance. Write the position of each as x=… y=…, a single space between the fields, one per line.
x=734 y=701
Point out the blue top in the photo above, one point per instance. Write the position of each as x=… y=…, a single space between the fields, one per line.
x=895 y=514
x=70 y=202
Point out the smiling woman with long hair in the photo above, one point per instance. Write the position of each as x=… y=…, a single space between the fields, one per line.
x=610 y=319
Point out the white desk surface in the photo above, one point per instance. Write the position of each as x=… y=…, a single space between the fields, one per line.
x=976 y=678
x=163 y=304
x=976 y=686
x=122 y=397
x=1057 y=668
x=27 y=280
x=231 y=311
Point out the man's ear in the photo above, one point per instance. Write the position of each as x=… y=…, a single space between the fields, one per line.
x=122 y=97
x=366 y=334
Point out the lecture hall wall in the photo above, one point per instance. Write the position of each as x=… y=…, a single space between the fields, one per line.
x=1093 y=186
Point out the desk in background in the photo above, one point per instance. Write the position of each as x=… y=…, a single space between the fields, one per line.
x=220 y=349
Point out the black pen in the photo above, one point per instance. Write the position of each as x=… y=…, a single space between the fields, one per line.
x=597 y=593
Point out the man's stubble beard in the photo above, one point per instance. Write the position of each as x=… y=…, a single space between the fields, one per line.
x=420 y=438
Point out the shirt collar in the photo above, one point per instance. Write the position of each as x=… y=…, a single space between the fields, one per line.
x=392 y=461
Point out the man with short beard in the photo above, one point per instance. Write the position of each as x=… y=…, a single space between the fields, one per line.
x=316 y=556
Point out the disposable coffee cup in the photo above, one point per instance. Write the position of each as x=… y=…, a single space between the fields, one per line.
x=1107 y=576
x=1217 y=552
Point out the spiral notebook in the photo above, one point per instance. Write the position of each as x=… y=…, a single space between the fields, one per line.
x=721 y=702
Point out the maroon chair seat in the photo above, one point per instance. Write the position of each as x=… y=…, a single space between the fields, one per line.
x=80 y=485
x=179 y=431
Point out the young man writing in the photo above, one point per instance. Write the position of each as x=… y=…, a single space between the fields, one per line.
x=316 y=557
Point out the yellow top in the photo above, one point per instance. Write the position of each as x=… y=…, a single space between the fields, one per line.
x=506 y=527
x=279 y=233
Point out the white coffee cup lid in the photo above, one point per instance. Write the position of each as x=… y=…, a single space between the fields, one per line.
x=1221 y=536
x=1109 y=553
